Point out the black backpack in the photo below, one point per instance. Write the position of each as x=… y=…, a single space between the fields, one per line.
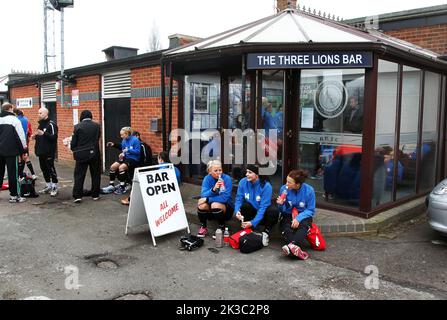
x=252 y=242
x=145 y=155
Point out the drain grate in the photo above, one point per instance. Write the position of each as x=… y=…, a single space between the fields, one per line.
x=145 y=295
x=106 y=264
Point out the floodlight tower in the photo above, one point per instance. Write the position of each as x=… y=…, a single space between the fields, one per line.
x=49 y=37
x=60 y=5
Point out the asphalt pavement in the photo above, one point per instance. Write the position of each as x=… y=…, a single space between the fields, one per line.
x=52 y=248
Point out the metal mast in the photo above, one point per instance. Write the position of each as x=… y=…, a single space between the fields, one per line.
x=49 y=27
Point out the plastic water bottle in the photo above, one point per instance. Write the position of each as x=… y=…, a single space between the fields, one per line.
x=283 y=194
x=226 y=237
x=219 y=239
x=222 y=187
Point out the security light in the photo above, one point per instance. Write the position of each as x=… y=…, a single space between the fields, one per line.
x=58 y=4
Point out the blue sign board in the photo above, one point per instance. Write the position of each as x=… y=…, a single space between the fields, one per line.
x=307 y=60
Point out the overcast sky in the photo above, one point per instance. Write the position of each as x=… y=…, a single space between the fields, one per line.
x=93 y=25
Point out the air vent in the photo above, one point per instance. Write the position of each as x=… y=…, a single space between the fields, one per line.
x=117 y=85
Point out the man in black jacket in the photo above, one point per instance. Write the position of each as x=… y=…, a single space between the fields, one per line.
x=86 y=136
x=45 y=149
x=12 y=145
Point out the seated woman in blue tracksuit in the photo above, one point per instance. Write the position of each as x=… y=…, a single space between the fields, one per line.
x=297 y=212
x=129 y=158
x=215 y=198
x=254 y=201
x=163 y=158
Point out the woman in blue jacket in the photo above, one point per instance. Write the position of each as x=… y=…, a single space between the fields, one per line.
x=297 y=212
x=128 y=158
x=215 y=199
x=254 y=201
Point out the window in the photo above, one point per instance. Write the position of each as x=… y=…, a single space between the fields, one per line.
x=430 y=130
x=385 y=132
x=330 y=145
x=407 y=153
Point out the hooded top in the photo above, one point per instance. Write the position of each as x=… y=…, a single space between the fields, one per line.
x=12 y=136
x=258 y=194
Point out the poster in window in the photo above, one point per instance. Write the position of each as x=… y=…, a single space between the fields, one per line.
x=307 y=118
x=196 y=122
x=205 y=121
x=201 y=98
x=213 y=122
x=213 y=99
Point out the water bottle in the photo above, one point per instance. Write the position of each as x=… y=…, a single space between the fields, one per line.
x=283 y=194
x=222 y=187
x=219 y=238
x=226 y=237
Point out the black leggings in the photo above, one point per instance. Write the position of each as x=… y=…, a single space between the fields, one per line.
x=215 y=214
x=296 y=236
x=48 y=169
x=270 y=218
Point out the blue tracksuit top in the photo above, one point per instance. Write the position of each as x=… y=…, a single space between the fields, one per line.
x=24 y=121
x=133 y=146
x=177 y=173
x=302 y=199
x=222 y=197
x=260 y=197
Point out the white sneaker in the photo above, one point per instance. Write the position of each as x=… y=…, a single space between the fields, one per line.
x=34 y=177
x=77 y=200
x=15 y=199
x=47 y=189
x=54 y=192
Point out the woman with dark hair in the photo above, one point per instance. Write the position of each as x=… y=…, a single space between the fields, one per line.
x=254 y=201
x=297 y=206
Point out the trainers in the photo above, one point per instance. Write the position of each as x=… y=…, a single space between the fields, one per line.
x=54 y=192
x=297 y=252
x=16 y=199
x=109 y=189
x=79 y=200
x=202 y=232
x=286 y=250
x=34 y=177
x=95 y=198
x=120 y=190
x=265 y=239
x=47 y=189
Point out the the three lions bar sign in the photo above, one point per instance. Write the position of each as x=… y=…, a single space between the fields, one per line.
x=307 y=60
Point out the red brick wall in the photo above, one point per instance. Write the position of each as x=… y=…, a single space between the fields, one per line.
x=28 y=92
x=65 y=115
x=433 y=38
x=144 y=109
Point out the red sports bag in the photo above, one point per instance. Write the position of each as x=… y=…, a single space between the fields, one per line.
x=315 y=238
x=234 y=238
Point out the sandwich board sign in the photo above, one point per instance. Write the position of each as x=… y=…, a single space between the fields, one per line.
x=156 y=200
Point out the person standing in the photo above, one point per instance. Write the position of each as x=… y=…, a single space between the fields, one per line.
x=45 y=149
x=85 y=137
x=12 y=146
x=25 y=157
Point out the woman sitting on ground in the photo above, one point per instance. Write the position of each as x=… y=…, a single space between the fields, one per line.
x=254 y=201
x=129 y=158
x=215 y=201
x=297 y=212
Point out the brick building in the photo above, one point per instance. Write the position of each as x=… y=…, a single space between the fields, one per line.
x=128 y=89
x=425 y=27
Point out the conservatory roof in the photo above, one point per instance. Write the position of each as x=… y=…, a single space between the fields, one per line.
x=293 y=26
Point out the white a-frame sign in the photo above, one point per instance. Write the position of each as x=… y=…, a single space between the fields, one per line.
x=156 y=200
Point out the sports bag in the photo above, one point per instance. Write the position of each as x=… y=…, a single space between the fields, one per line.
x=315 y=238
x=235 y=238
x=190 y=242
x=27 y=187
x=252 y=242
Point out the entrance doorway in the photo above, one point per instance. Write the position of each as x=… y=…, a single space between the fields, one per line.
x=116 y=116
